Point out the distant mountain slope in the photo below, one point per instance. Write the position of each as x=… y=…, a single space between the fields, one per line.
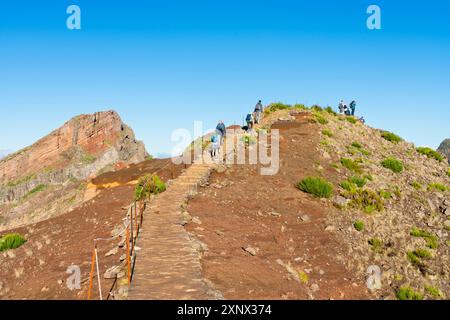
x=444 y=148
x=48 y=176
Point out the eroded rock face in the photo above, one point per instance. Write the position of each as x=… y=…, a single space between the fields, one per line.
x=80 y=148
x=444 y=148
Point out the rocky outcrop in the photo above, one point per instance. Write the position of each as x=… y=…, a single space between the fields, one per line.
x=444 y=148
x=77 y=150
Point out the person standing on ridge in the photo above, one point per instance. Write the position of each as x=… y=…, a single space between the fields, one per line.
x=258 y=111
x=341 y=107
x=221 y=129
x=353 y=107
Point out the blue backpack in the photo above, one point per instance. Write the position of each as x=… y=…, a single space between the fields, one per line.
x=214 y=138
x=249 y=118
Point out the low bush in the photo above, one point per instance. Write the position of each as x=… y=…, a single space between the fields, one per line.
x=434 y=292
x=393 y=164
x=276 y=106
x=34 y=191
x=358 y=225
x=430 y=153
x=351 y=165
x=316 y=186
x=416 y=185
x=365 y=199
x=320 y=119
x=392 y=137
x=327 y=132
x=351 y=119
x=431 y=239
x=376 y=244
x=330 y=111
x=148 y=185
x=437 y=186
x=407 y=293
x=11 y=241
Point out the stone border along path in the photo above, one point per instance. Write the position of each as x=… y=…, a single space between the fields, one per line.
x=168 y=264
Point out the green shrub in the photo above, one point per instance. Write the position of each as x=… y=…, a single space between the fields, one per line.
x=430 y=153
x=316 y=107
x=365 y=199
x=351 y=165
x=11 y=241
x=347 y=185
x=448 y=172
x=392 y=137
x=423 y=253
x=320 y=119
x=376 y=244
x=316 y=186
x=407 y=293
x=356 y=147
x=327 y=132
x=148 y=185
x=299 y=106
x=358 y=225
x=330 y=111
x=415 y=260
x=359 y=181
x=416 y=185
x=351 y=119
x=385 y=194
x=393 y=164
x=437 y=186
x=17 y=182
x=35 y=190
x=434 y=292
x=431 y=239
x=275 y=107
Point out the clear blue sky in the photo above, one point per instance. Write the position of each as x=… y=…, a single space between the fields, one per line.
x=163 y=64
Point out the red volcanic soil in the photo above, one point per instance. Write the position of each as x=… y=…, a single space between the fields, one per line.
x=37 y=270
x=241 y=208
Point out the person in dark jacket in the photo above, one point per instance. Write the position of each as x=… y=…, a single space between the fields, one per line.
x=222 y=131
x=258 y=111
x=353 y=107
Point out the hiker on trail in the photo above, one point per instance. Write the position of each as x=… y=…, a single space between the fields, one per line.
x=346 y=110
x=250 y=121
x=341 y=107
x=258 y=111
x=222 y=131
x=363 y=121
x=215 y=144
x=353 y=107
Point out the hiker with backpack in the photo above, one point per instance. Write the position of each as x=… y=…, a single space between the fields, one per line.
x=258 y=111
x=221 y=129
x=346 y=110
x=341 y=107
x=250 y=121
x=353 y=107
x=215 y=144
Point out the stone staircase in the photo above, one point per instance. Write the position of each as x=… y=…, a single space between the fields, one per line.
x=168 y=264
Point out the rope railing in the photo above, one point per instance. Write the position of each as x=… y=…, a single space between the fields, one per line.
x=131 y=229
